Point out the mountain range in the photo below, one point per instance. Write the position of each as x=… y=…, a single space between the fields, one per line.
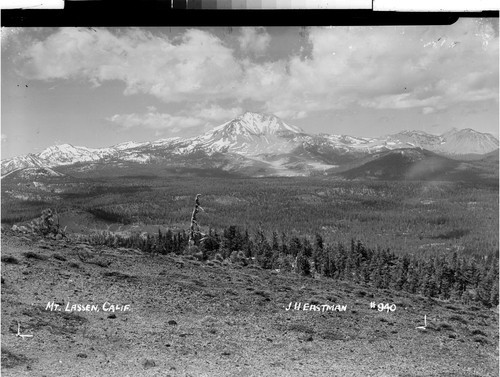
x=257 y=144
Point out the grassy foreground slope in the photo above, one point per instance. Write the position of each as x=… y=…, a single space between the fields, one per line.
x=189 y=318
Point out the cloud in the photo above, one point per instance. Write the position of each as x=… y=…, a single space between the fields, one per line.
x=401 y=101
x=291 y=114
x=395 y=67
x=201 y=115
x=254 y=40
x=379 y=67
x=156 y=121
x=4 y=138
x=196 y=66
x=217 y=113
x=428 y=110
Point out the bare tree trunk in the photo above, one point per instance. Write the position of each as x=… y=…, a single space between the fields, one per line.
x=194 y=222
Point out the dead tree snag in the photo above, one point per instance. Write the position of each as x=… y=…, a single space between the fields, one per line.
x=195 y=228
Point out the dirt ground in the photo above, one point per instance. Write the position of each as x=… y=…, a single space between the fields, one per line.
x=176 y=316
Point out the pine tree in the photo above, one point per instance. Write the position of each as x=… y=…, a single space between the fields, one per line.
x=494 y=292
x=319 y=243
x=401 y=273
x=303 y=267
x=459 y=282
x=486 y=283
x=307 y=248
x=263 y=250
x=168 y=242
x=447 y=279
x=472 y=274
x=295 y=246
x=284 y=247
x=340 y=259
x=275 y=243
x=329 y=267
x=318 y=255
x=428 y=285
x=225 y=247
x=376 y=267
x=233 y=239
x=412 y=283
x=247 y=245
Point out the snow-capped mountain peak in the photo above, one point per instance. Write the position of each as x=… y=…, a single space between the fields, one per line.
x=415 y=138
x=64 y=154
x=255 y=124
x=263 y=138
x=251 y=134
x=61 y=148
x=468 y=140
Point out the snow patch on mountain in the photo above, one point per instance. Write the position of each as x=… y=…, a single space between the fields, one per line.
x=66 y=154
x=129 y=145
x=263 y=138
x=453 y=142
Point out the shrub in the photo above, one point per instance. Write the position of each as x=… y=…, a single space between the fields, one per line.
x=481 y=340
x=59 y=257
x=195 y=253
x=32 y=255
x=360 y=293
x=285 y=263
x=457 y=318
x=478 y=332
x=444 y=326
x=11 y=360
x=199 y=256
x=9 y=259
x=101 y=263
x=47 y=226
x=239 y=257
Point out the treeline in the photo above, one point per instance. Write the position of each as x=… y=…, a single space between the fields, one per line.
x=470 y=279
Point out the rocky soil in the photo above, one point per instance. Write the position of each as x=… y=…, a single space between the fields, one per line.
x=175 y=316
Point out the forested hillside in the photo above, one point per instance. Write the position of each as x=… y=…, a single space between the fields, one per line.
x=443 y=276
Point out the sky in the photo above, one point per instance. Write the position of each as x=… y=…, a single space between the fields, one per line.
x=98 y=87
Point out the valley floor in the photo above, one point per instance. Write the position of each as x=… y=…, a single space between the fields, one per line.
x=189 y=318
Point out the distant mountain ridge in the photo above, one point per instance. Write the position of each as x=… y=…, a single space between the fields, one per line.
x=452 y=142
x=262 y=142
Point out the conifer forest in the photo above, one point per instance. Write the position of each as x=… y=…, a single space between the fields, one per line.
x=437 y=239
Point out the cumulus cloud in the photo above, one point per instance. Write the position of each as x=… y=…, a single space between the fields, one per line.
x=291 y=114
x=216 y=113
x=397 y=67
x=401 y=101
x=155 y=120
x=254 y=40
x=380 y=67
x=196 y=117
x=197 y=66
x=428 y=110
